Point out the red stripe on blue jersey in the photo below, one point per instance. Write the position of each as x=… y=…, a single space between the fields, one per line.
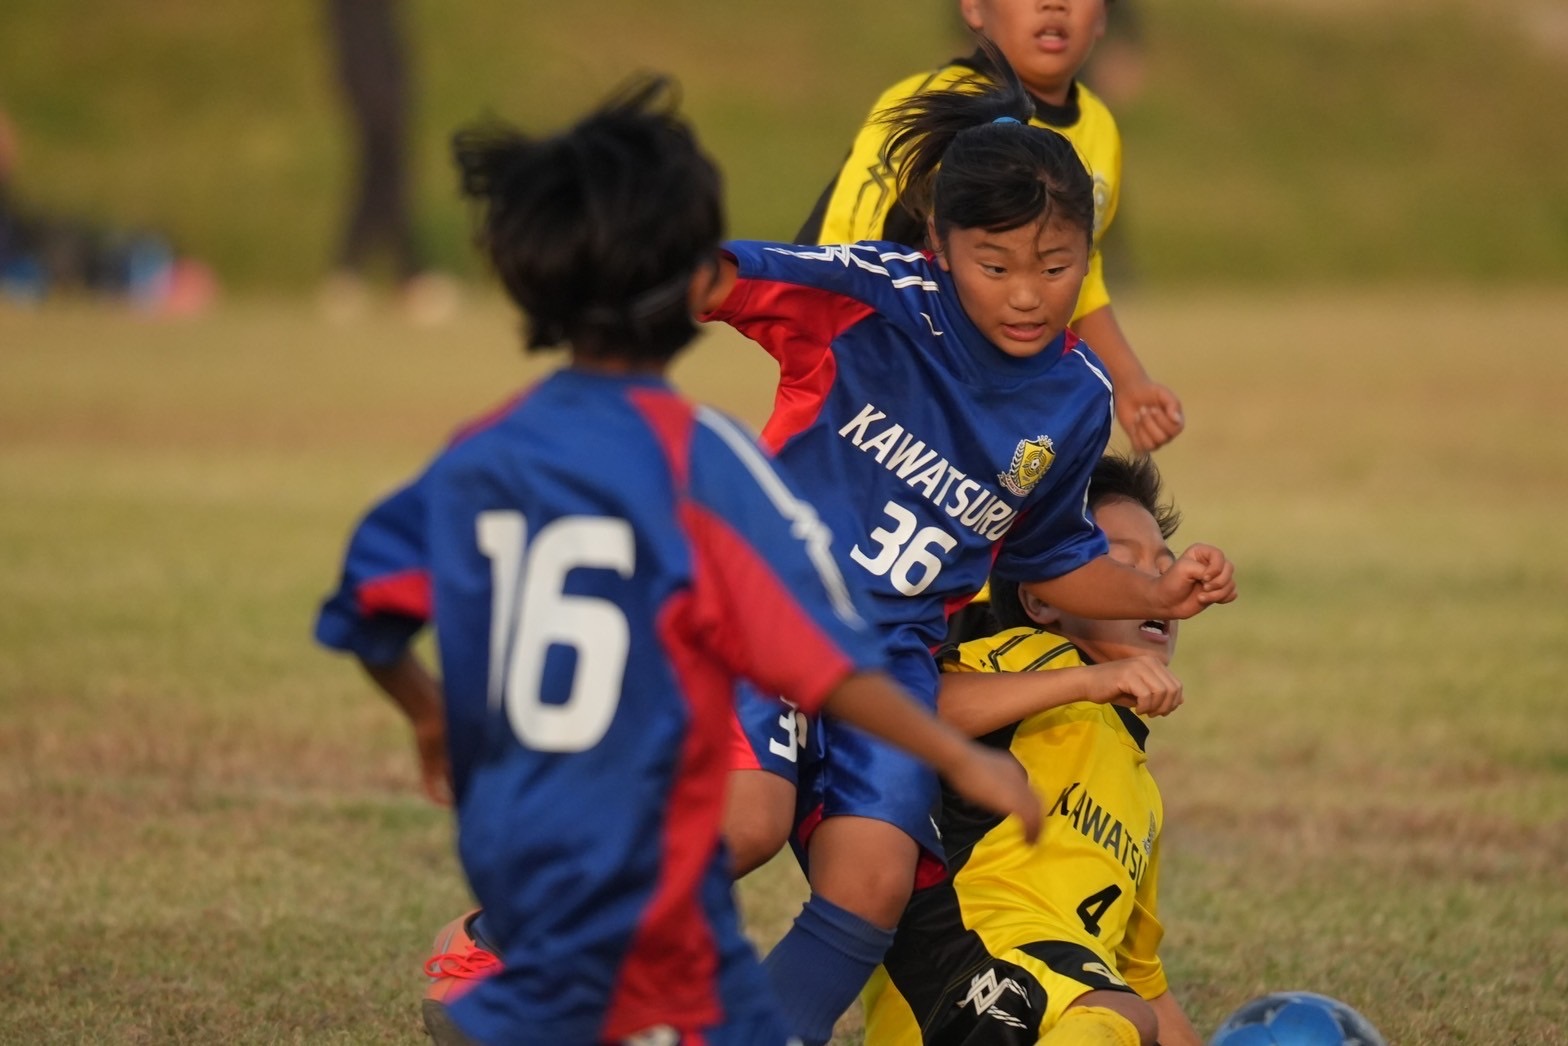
x=766 y=632
x=406 y=593
x=671 y=419
x=804 y=350
x=670 y=972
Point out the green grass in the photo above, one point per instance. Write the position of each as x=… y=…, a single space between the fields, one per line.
x=213 y=830
x=1314 y=140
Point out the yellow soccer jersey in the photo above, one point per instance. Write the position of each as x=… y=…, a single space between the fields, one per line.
x=859 y=204
x=1017 y=931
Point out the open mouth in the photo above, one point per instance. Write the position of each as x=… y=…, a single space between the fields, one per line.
x=1051 y=39
x=1155 y=628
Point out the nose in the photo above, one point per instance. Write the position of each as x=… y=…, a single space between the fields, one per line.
x=1023 y=295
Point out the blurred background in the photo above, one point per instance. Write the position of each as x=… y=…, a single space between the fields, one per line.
x=1267 y=141
x=1343 y=240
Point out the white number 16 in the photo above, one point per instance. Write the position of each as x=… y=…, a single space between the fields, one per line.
x=524 y=626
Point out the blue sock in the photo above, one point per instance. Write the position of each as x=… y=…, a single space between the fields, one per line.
x=821 y=965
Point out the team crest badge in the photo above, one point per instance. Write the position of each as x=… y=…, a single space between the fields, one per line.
x=1030 y=462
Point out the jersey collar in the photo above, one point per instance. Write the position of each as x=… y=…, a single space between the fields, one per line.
x=1059 y=116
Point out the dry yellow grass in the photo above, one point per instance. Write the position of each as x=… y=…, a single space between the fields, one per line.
x=212 y=831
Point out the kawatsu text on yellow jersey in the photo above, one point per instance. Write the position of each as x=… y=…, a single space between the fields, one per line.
x=972 y=503
x=1098 y=824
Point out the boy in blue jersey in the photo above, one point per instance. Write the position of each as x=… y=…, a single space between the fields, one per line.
x=945 y=421
x=602 y=560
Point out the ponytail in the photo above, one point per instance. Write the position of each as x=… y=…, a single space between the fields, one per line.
x=967 y=157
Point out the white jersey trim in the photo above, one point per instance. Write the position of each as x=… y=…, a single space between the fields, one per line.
x=805 y=525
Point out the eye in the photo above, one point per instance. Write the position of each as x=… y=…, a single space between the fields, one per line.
x=1056 y=270
x=993 y=270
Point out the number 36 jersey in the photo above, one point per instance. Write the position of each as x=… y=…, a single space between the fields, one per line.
x=928 y=449
x=601 y=561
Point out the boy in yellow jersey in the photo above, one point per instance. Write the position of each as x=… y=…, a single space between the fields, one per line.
x=1047 y=42
x=1054 y=943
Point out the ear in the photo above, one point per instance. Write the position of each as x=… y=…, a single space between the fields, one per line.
x=936 y=245
x=969 y=10
x=1039 y=611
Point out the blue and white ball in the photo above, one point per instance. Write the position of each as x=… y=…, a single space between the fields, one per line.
x=1296 y=1019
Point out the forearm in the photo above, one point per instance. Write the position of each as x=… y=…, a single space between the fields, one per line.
x=976 y=703
x=410 y=686
x=874 y=703
x=1175 y=1028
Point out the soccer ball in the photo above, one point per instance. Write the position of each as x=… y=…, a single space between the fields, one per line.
x=1296 y=1019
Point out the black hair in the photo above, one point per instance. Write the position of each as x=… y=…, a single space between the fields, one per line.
x=1115 y=478
x=956 y=164
x=596 y=231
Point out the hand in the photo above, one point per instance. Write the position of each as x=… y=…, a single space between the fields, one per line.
x=435 y=772
x=1150 y=414
x=1200 y=578
x=995 y=781
x=1143 y=684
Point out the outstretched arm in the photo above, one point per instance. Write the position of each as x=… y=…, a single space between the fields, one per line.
x=414 y=690
x=1112 y=591
x=988 y=778
x=977 y=703
x=1148 y=412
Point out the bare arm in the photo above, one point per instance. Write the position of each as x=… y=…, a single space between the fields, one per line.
x=414 y=690
x=1112 y=591
x=1175 y=1028
x=994 y=780
x=1148 y=412
x=977 y=703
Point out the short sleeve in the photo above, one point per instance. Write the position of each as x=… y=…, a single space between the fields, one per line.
x=383 y=595
x=1055 y=534
x=1137 y=957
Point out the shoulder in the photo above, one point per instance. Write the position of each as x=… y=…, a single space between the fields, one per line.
x=1014 y=650
x=1093 y=105
x=942 y=78
x=861 y=269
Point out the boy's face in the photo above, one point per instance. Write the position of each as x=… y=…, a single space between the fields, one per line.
x=1136 y=541
x=1018 y=287
x=1047 y=41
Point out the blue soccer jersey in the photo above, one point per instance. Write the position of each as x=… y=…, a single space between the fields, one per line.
x=602 y=561
x=933 y=455
x=929 y=450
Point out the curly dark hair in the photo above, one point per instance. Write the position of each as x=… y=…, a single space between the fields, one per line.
x=596 y=231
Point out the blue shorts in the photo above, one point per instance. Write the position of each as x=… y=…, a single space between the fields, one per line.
x=839 y=770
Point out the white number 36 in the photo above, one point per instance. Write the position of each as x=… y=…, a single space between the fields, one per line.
x=902 y=551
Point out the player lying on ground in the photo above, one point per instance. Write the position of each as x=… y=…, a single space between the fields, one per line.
x=1056 y=941
x=601 y=560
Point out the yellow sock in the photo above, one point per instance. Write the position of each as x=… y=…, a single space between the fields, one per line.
x=1091 y=1026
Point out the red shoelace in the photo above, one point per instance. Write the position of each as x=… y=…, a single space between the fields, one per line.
x=471 y=964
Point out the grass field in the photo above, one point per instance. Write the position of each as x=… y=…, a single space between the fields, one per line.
x=212 y=831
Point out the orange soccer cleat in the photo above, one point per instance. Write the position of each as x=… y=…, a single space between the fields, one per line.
x=457 y=961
